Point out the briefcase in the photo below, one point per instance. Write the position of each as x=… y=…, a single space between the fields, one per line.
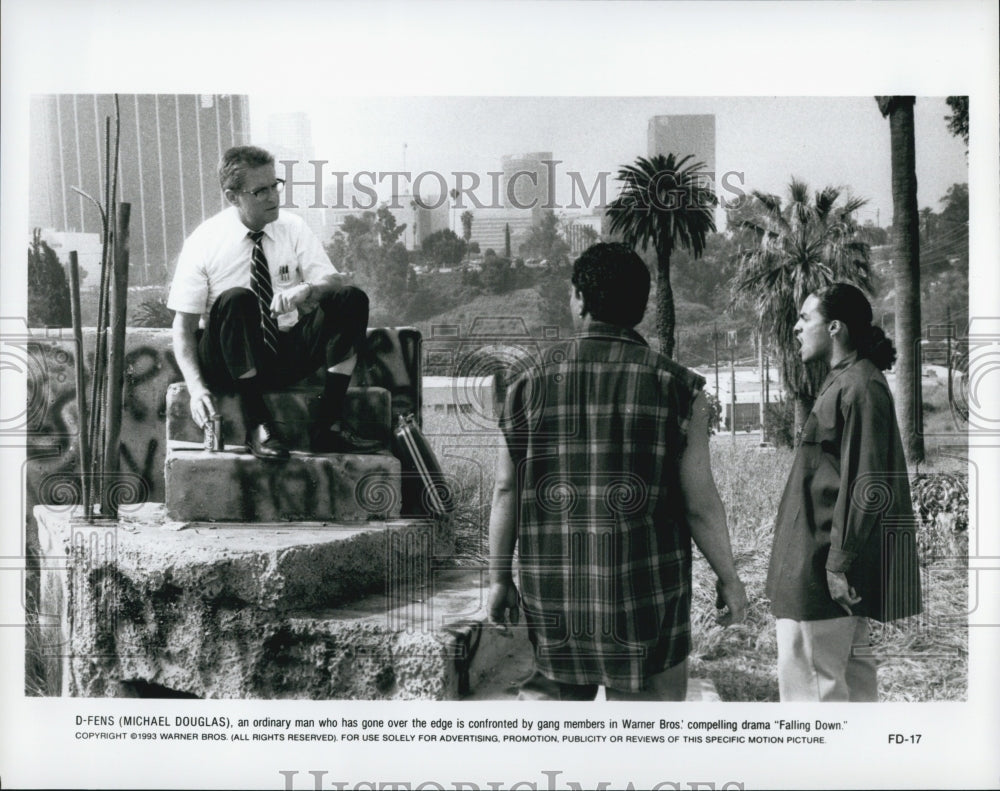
x=424 y=488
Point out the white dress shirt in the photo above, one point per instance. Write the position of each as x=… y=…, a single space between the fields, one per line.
x=217 y=256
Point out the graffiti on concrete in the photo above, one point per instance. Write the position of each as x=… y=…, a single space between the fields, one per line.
x=391 y=359
x=53 y=450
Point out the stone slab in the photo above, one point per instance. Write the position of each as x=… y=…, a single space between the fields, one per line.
x=429 y=643
x=367 y=409
x=225 y=612
x=233 y=486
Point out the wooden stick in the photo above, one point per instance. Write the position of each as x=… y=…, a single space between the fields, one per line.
x=81 y=389
x=116 y=359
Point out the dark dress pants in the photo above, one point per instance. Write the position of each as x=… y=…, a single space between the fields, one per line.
x=233 y=344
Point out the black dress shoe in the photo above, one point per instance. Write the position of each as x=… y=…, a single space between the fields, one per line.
x=341 y=439
x=264 y=443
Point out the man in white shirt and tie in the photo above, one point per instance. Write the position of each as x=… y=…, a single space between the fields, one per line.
x=258 y=306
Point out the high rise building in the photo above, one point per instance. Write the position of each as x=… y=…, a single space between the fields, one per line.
x=489 y=228
x=289 y=139
x=526 y=182
x=169 y=153
x=289 y=136
x=422 y=217
x=681 y=135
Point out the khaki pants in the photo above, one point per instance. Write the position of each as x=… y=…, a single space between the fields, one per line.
x=829 y=660
x=671 y=684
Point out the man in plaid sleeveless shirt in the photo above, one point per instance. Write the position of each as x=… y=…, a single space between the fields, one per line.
x=602 y=484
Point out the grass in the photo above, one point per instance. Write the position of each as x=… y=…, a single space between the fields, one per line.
x=924 y=658
x=469 y=462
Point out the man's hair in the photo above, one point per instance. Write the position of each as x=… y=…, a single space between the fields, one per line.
x=237 y=161
x=614 y=283
x=847 y=303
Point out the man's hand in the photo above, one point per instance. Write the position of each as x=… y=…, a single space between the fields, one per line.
x=290 y=298
x=202 y=406
x=731 y=599
x=503 y=600
x=841 y=590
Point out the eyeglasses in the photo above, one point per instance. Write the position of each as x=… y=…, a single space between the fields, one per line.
x=263 y=193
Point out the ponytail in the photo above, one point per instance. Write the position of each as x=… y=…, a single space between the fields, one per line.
x=877 y=348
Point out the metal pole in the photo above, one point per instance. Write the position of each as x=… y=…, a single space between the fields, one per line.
x=767 y=378
x=110 y=400
x=81 y=389
x=100 y=346
x=947 y=360
x=715 y=342
x=732 y=392
x=116 y=361
x=760 y=370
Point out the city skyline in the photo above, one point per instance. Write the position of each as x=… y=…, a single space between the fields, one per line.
x=760 y=141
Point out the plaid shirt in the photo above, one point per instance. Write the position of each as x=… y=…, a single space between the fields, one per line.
x=596 y=432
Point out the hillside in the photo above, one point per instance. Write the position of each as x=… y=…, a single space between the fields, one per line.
x=517 y=310
x=521 y=309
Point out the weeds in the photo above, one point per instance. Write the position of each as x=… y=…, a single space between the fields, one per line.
x=921 y=658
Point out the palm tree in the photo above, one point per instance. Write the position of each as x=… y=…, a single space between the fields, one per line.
x=663 y=203
x=467 y=218
x=906 y=271
x=788 y=252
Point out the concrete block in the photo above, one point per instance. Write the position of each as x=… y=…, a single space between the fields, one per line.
x=391 y=359
x=297 y=611
x=367 y=409
x=237 y=487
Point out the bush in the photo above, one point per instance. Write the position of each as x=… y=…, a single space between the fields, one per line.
x=941 y=507
x=779 y=423
x=48 y=289
x=714 y=412
x=152 y=313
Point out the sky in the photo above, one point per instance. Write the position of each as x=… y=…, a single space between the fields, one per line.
x=838 y=141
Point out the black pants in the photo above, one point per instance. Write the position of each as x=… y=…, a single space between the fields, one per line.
x=233 y=344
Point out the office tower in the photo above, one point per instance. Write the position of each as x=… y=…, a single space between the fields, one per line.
x=526 y=182
x=682 y=135
x=169 y=153
x=289 y=138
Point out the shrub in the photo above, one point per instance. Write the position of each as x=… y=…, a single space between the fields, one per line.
x=48 y=289
x=941 y=507
x=714 y=412
x=152 y=313
x=779 y=423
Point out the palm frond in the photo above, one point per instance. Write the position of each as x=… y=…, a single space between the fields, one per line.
x=802 y=245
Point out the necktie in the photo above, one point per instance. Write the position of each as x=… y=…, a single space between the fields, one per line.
x=261 y=281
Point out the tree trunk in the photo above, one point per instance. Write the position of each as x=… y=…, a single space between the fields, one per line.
x=906 y=274
x=665 y=317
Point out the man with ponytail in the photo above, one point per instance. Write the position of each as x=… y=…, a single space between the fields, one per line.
x=845 y=538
